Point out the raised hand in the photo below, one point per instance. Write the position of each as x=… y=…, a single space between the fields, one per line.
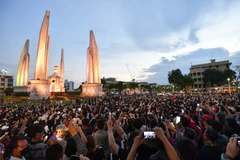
x=232 y=148
x=72 y=129
x=159 y=132
x=23 y=121
x=138 y=140
x=109 y=122
x=113 y=119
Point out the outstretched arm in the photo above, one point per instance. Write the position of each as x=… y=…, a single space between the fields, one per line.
x=169 y=149
x=23 y=127
x=228 y=112
x=111 y=140
x=79 y=129
x=119 y=129
x=81 y=147
x=137 y=142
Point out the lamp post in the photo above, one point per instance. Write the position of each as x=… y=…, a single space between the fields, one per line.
x=229 y=91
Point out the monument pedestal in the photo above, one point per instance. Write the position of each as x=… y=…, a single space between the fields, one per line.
x=21 y=89
x=91 y=90
x=39 y=89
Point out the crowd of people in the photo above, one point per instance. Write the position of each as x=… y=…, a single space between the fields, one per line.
x=186 y=126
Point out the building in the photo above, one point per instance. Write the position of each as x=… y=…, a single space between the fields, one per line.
x=69 y=85
x=110 y=80
x=66 y=84
x=196 y=71
x=56 y=81
x=5 y=82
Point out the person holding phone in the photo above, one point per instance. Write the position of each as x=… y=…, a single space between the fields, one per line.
x=232 y=150
x=159 y=134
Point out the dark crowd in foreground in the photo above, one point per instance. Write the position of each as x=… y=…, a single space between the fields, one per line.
x=180 y=126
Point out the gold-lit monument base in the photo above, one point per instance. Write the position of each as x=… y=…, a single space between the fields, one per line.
x=91 y=90
x=39 y=89
x=21 y=89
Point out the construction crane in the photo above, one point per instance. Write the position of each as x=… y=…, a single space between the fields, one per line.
x=133 y=79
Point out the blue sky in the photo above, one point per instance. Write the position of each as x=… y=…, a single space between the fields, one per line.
x=151 y=36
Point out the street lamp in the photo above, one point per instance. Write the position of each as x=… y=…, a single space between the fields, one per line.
x=229 y=91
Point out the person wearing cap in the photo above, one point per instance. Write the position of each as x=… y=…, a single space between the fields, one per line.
x=61 y=132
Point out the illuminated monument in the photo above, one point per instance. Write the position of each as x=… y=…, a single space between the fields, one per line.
x=56 y=81
x=23 y=70
x=39 y=86
x=93 y=87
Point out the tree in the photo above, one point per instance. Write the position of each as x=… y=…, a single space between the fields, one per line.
x=237 y=68
x=132 y=85
x=175 y=76
x=213 y=77
x=186 y=81
x=228 y=73
x=179 y=80
x=8 y=91
x=120 y=86
x=145 y=87
x=111 y=86
x=103 y=81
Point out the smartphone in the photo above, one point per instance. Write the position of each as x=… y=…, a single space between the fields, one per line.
x=238 y=141
x=172 y=124
x=1 y=149
x=45 y=138
x=148 y=135
x=197 y=109
x=182 y=110
x=53 y=135
x=178 y=119
x=74 y=157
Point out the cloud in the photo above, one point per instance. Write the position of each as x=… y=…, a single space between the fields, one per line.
x=152 y=37
x=165 y=26
x=184 y=62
